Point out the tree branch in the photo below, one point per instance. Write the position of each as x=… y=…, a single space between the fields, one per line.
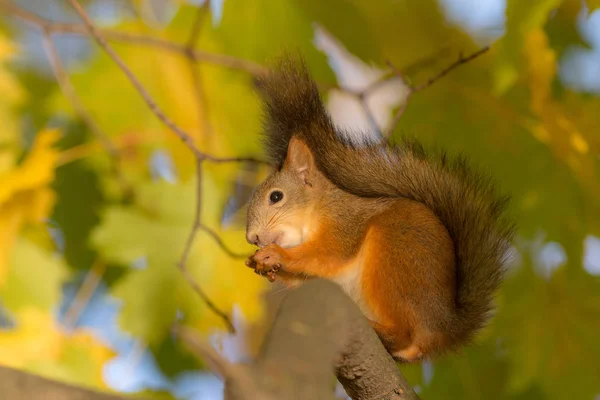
x=201 y=12
x=18 y=385
x=84 y=294
x=185 y=138
x=413 y=89
x=69 y=92
x=223 y=60
x=317 y=331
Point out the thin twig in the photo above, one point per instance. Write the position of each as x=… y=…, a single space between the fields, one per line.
x=69 y=92
x=413 y=89
x=84 y=294
x=223 y=60
x=200 y=156
x=461 y=60
x=362 y=98
x=402 y=108
x=196 y=222
x=221 y=243
x=185 y=138
x=222 y=160
x=193 y=63
x=182 y=264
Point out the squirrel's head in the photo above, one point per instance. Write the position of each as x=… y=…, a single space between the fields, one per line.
x=280 y=207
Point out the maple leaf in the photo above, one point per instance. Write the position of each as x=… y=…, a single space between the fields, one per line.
x=25 y=196
x=38 y=345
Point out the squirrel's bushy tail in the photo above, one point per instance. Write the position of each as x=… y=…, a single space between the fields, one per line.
x=465 y=202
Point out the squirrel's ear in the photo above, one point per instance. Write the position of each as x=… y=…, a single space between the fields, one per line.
x=299 y=158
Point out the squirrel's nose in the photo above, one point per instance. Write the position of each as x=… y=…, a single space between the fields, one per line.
x=253 y=238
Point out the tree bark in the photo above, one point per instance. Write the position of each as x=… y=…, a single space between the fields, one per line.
x=318 y=332
x=18 y=385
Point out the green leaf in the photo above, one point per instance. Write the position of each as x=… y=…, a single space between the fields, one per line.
x=521 y=18
x=477 y=372
x=404 y=32
x=77 y=210
x=341 y=18
x=34 y=279
x=562 y=28
x=156 y=229
x=260 y=30
x=549 y=333
x=172 y=357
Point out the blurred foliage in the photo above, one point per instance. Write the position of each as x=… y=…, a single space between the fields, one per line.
x=506 y=110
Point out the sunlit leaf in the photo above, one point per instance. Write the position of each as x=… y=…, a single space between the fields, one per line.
x=522 y=17
x=592 y=5
x=12 y=95
x=156 y=229
x=38 y=345
x=34 y=278
x=24 y=193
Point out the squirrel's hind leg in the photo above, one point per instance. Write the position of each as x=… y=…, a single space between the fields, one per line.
x=398 y=342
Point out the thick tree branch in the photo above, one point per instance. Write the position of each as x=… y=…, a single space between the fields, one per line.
x=18 y=385
x=318 y=331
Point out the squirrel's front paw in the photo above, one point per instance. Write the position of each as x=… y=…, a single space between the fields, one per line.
x=266 y=261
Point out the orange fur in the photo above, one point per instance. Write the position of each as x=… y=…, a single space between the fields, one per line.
x=401 y=240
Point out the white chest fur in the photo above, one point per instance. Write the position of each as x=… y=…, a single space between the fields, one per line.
x=350 y=280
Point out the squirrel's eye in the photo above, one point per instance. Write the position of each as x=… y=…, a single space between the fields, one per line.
x=275 y=197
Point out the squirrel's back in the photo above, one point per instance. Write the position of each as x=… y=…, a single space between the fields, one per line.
x=465 y=202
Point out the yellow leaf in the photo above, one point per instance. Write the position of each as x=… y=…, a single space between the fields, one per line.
x=39 y=346
x=25 y=196
x=9 y=86
x=11 y=95
x=592 y=5
x=542 y=68
x=579 y=143
x=37 y=169
x=35 y=338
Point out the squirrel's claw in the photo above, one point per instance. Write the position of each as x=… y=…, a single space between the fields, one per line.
x=266 y=261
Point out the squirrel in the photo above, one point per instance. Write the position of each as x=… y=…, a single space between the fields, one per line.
x=417 y=239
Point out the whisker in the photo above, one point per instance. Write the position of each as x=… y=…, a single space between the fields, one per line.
x=279 y=291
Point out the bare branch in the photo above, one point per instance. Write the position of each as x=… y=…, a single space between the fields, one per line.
x=402 y=108
x=221 y=243
x=200 y=156
x=84 y=294
x=222 y=160
x=223 y=60
x=182 y=264
x=461 y=60
x=362 y=98
x=413 y=89
x=203 y=112
x=69 y=92
x=197 y=25
x=185 y=138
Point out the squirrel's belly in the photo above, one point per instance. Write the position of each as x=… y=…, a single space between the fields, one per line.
x=350 y=280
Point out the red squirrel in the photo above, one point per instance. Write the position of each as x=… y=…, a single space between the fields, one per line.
x=418 y=241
